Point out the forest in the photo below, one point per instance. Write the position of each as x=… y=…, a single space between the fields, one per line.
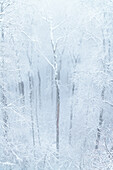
x=56 y=84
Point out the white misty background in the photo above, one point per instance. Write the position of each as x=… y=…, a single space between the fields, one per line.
x=56 y=85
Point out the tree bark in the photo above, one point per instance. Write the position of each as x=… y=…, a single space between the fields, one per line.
x=3 y=96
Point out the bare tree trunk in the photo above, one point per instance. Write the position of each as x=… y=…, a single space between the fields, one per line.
x=52 y=85
x=99 y=129
x=71 y=115
x=57 y=74
x=31 y=108
x=39 y=89
x=3 y=96
x=100 y=122
x=37 y=120
x=57 y=102
x=57 y=116
x=20 y=84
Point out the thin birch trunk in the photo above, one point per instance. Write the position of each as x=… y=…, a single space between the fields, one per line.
x=39 y=89
x=99 y=129
x=71 y=116
x=3 y=96
x=37 y=120
x=31 y=109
